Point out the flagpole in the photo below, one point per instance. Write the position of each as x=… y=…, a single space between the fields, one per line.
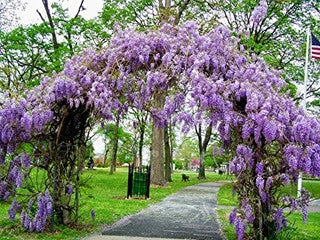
x=304 y=102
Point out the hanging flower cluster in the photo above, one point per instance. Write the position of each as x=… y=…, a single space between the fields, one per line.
x=39 y=222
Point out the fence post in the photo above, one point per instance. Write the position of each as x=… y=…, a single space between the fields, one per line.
x=130 y=179
x=148 y=182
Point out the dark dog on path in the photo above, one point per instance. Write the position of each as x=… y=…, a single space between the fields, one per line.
x=185 y=178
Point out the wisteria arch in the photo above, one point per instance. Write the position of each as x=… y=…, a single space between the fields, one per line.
x=166 y=72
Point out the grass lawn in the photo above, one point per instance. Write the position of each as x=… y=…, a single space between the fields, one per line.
x=106 y=195
x=226 y=198
x=310 y=230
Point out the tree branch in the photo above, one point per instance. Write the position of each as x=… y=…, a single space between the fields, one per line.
x=79 y=9
x=42 y=18
x=54 y=36
x=181 y=10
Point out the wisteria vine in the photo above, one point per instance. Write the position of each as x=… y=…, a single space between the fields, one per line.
x=272 y=140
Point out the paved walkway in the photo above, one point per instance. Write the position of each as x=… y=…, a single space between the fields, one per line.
x=187 y=214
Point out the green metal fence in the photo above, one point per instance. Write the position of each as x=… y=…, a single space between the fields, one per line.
x=138 y=182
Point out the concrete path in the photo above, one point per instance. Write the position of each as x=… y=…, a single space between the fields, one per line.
x=187 y=214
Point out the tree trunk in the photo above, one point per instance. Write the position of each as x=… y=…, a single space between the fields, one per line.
x=66 y=165
x=167 y=151
x=202 y=173
x=113 y=163
x=105 y=156
x=171 y=145
x=203 y=148
x=142 y=129
x=157 y=173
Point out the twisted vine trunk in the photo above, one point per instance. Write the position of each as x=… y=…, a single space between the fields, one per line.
x=67 y=164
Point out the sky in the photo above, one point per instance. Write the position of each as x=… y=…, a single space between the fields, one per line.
x=30 y=16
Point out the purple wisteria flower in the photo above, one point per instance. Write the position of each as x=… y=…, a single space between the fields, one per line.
x=279 y=218
x=259 y=168
x=44 y=210
x=69 y=189
x=259 y=13
x=15 y=207
x=240 y=228
x=232 y=216
x=93 y=214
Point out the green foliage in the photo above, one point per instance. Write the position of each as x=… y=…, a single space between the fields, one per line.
x=101 y=165
x=28 y=53
x=178 y=164
x=126 y=153
x=186 y=151
x=126 y=13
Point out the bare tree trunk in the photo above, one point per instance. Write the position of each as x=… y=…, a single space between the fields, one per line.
x=157 y=173
x=113 y=163
x=167 y=151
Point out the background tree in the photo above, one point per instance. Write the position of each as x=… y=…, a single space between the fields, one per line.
x=186 y=151
x=28 y=53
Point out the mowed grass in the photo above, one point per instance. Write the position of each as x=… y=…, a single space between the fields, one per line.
x=106 y=195
x=226 y=198
x=308 y=231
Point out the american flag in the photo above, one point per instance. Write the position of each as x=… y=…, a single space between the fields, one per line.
x=315 y=47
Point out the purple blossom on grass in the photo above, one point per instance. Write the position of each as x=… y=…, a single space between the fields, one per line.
x=93 y=215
